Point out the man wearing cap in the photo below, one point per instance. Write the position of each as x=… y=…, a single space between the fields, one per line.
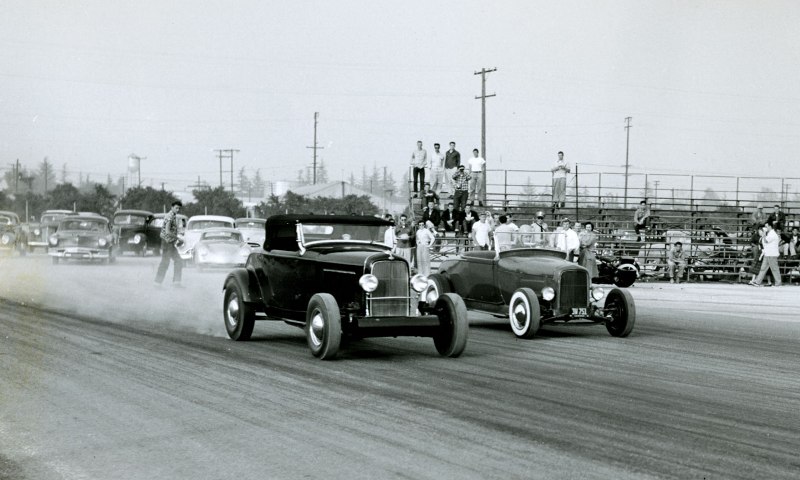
x=540 y=238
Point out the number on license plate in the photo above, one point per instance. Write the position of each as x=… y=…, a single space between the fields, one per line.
x=579 y=312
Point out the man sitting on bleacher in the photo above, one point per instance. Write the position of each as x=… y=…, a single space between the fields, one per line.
x=676 y=257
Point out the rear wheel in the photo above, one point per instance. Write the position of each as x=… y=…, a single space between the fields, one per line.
x=452 y=312
x=620 y=313
x=323 y=326
x=239 y=316
x=524 y=314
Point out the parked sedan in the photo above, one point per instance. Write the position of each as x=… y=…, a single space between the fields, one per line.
x=332 y=276
x=82 y=237
x=135 y=232
x=221 y=247
x=195 y=227
x=12 y=237
x=253 y=230
x=39 y=232
x=532 y=287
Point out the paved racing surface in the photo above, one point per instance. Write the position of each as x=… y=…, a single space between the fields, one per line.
x=105 y=376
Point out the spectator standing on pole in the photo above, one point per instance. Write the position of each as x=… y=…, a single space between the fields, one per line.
x=770 y=257
x=560 y=171
x=169 y=246
x=419 y=161
x=452 y=159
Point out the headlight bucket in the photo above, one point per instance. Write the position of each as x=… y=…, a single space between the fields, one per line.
x=598 y=293
x=548 y=294
x=102 y=242
x=137 y=239
x=5 y=239
x=53 y=240
x=419 y=282
x=368 y=282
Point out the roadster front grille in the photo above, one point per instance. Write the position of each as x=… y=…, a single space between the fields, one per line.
x=574 y=289
x=391 y=296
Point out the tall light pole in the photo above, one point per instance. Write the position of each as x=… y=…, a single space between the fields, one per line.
x=315 y=147
x=483 y=98
x=627 y=165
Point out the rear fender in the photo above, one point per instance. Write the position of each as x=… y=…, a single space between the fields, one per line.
x=246 y=279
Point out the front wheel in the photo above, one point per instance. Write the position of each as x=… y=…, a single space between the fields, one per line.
x=524 y=314
x=437 y=286
x=323 y=326
x=452 y=312
x=620 y=313
x=239 y=316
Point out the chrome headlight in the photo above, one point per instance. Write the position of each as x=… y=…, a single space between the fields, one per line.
x=5 y=239
x=53 y=240
x=137 y=239
x=598 y=293
x=37 y=232
x=368 y=282
x=419 y=282
x=102 y=242
x=548 y=293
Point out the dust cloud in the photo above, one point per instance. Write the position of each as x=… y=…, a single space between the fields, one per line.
x=122 y=293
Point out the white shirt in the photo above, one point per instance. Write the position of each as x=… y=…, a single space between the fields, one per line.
x=437 y=160
x=419 y=158
x=567 y=240
x=481 y=232
x=476 y=164
x=771 y=242
x=504 y=236
x=389 y=239
x=561 y=169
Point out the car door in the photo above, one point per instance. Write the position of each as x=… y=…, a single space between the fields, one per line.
x=473 y=278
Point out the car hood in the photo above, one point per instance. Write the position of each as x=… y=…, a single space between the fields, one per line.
x=222 y=247
x=349 y=254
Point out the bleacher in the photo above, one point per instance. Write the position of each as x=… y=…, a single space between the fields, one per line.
x=715 y=233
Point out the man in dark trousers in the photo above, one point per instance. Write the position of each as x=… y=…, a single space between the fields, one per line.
x=169 y=246
x=452 y=159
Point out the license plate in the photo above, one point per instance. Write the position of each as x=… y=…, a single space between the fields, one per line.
x=579 y=312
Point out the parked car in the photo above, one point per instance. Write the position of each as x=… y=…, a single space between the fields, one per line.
x=221 y=247
x=533 y=287
x=619 y=271
x=12 y=236
x=39 y=232
x=253 y=230
x=85 y=236
x=158 y=221
x=332 y=276
x=135 y=232
x=195 y=226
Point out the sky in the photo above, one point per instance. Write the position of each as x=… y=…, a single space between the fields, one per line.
x=711 y=86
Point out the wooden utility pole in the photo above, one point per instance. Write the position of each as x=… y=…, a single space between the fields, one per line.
x=315 y=147
x=483 y=98
x=226 y=153
x=627 y=165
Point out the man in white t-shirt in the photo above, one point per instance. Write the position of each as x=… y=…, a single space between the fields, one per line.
x=480 y=233
x=560 y=171
x=476 y=167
